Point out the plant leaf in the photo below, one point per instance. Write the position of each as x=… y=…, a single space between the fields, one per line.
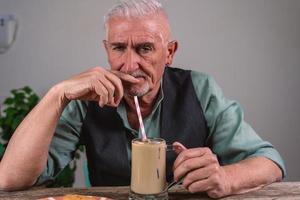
x=16 y=122
x=14 y=91
x=2 y=149
x=25 y=107
x=17 y=106
x=77 y=155
x=27 y=89
x=19 y=97
x=65 y=178
x=9 y=111
x=81 y=148
x=7 y=133
x=8 y=101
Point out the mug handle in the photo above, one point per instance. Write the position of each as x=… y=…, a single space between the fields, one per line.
x=169 y=147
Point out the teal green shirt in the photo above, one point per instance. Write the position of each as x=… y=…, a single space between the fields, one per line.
x=230 y=137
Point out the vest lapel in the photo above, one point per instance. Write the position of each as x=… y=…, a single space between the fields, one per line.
x=182 y=117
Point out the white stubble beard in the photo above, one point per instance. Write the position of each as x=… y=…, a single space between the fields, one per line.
x=139 y=91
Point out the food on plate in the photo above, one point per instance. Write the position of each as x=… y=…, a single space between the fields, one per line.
x=76 y=197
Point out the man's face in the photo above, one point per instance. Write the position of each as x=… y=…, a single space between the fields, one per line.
x=138 y=47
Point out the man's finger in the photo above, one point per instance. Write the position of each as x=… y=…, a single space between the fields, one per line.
x=190 y=153
x=125 y=77
x=200 y=186
x=110 y=88
x=119 y=91
x=178 y=147
x=102 y=93
x=198 y=174
x=192 y=164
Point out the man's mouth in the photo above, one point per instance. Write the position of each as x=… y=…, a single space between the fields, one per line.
x=139 y=75
x=138 y=89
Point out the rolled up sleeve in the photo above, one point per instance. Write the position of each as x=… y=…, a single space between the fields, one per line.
x=230 y=137
x=65 y=141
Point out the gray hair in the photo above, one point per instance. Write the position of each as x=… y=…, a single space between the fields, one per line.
x=134 y=9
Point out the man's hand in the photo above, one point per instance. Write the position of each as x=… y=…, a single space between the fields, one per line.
x=201 y=171
x=32 y=138
x=97 y=84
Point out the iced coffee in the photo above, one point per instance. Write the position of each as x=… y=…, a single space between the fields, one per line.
x=148 y=166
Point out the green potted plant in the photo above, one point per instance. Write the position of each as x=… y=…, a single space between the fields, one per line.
x=1 y=150
x=16 y=107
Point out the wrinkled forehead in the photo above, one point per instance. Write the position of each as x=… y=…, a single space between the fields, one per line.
x=147 y=28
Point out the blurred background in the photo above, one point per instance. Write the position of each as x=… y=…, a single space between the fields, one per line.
x=251 y=48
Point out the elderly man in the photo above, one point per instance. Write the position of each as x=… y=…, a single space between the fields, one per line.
x=220 y=153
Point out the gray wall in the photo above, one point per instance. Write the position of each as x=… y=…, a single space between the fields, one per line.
x=251 y=47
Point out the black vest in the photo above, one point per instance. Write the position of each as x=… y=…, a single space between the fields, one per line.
x=106 y=137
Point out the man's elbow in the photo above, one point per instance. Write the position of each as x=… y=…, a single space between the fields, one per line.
x=4 y=184
x=13 y=184
x=279 y=174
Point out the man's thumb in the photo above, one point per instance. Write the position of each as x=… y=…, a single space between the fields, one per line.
x=178 y=147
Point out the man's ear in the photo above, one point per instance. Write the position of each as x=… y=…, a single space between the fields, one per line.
x=172 y=47
x=105 y=44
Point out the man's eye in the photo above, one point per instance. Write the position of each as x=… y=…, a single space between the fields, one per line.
x=118 y=48
x=145 y=49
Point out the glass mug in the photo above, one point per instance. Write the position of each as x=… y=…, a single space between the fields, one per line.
x=148 y=169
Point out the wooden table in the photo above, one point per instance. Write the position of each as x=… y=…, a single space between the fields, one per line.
x=284 y=190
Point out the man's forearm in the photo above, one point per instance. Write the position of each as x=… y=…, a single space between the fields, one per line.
x=251 y=174
x=27 y=151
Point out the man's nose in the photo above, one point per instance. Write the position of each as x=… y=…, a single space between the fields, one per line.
x=131 y=61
